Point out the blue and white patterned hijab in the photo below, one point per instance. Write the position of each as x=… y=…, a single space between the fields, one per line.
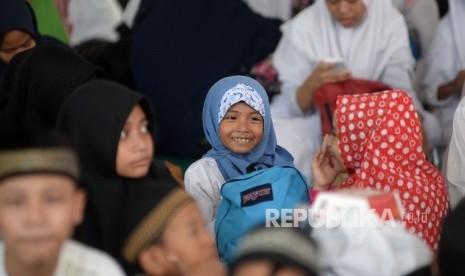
x=221 y=96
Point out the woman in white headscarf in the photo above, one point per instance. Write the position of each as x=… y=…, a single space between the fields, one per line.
x=445 y=67
x=370 y=36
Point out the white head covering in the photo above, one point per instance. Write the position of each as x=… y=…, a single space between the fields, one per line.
x=360 y=251
x=366 y=49
x=355 y=240
x=129 y=13
x=94 y=19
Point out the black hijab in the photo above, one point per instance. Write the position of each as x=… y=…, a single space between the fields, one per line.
x=37 y=82
x=16 y=15
x=181 y=47
x=93 y=118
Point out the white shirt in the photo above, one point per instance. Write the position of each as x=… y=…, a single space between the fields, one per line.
x=456 y=157
x=77 y=259
x=203 y=181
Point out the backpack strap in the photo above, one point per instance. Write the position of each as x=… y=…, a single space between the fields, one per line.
x=257 y=166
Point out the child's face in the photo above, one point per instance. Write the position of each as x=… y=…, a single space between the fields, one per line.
x=38 y=212
x=350 y=13
x=265 y=268
x=135 y=148
x=187 y=240
x=13 y=43
x=332 y=143
x=241 y=129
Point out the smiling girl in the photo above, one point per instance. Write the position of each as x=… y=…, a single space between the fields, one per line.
x=238 y=126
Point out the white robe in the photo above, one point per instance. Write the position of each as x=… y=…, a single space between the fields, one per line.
x=378 y=49
x=445 y=58
x=422 y=16
x=77 y=259
x=455 y=166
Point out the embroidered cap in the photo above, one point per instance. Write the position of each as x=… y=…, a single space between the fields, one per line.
x=146 y=212
x=37 y=160
x=283 y=246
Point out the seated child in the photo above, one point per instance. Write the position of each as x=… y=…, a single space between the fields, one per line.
x=377 y=141
x=112 y=129
x=40 y=204
x=166 y=234
x=238 y=126
x=276 y=251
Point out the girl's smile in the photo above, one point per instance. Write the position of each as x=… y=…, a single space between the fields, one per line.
x=241 y=129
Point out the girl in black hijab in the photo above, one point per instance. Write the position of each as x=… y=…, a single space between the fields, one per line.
x=112 y=129
x=37 y=82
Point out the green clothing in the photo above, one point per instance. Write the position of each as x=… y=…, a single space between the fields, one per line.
x=48 y=20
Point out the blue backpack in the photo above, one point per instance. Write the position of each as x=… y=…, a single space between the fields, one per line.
x=246 y=198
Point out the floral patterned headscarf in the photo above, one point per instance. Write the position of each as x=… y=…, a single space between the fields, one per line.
x=380 y=140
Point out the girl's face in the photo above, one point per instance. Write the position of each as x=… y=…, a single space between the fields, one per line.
x=135 y=148
x=333 y=147
x=350 y=13
x=13 y=43
x=241 y=129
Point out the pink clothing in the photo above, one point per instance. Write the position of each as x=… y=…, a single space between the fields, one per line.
x=62 y=6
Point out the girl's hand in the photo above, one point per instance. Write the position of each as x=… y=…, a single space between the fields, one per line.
x=453 y=87
x=322 y=74
x=324 y=171
x=459 y=80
